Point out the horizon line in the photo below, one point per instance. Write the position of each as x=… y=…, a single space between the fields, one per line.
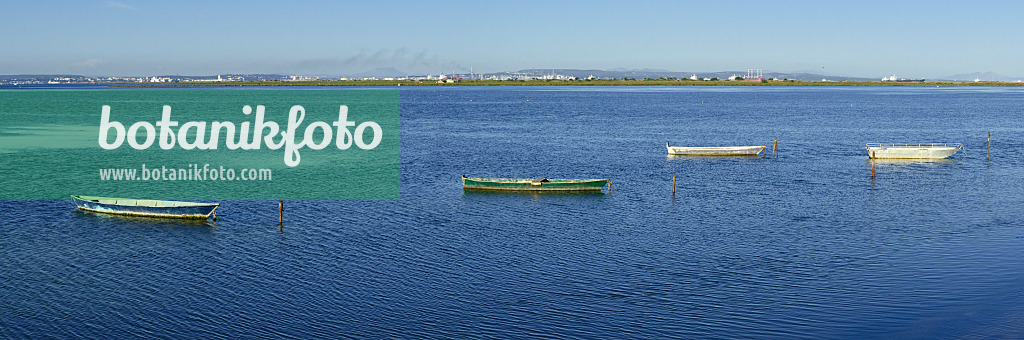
x=365 y=74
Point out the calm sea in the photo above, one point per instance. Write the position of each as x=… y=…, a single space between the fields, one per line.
x=805 y=245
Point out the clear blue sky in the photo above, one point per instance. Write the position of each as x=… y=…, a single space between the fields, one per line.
x=853 y=38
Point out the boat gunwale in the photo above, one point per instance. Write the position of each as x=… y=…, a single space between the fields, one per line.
x=533 y=180
x=117 y=202
x=869 y=146
x=720 y=147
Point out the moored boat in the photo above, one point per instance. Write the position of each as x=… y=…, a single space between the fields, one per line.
x=913 y=150
x=145 y=208
x=715 y=150
x=533 y=184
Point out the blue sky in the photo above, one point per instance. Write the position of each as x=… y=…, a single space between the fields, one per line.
x=852 y=38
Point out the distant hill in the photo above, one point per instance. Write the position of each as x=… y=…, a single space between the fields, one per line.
x=983 y=76
x=265 y=76
x=226 y=76
x=655 y=74
x=616 y=73
x=36 y=76
x=649 y=70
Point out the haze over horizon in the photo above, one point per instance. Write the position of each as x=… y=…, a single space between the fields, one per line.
x=917 y=39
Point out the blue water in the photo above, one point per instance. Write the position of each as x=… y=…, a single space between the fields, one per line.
x=806 y=245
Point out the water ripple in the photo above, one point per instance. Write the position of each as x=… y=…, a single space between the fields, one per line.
x=808 y=245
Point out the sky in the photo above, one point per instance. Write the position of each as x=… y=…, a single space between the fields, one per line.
x=912 y=39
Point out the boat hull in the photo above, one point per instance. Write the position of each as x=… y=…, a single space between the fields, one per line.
x=144 y=208
x=716 y=151
x=528 y=184
x=912 y=151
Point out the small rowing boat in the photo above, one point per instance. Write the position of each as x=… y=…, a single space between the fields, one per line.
x=145 y=208
x=715 y=150
x=913 y=151
x=533 y=184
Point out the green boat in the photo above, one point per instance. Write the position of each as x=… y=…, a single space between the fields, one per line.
x=144 y=208
x=533 y=184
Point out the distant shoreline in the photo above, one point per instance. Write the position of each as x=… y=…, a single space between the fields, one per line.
x=596 y=82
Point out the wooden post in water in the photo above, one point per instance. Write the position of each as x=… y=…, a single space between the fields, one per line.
x=280 y=212
x=872 y=164
x=775 y=148
x=989 y=149
x=673 y=185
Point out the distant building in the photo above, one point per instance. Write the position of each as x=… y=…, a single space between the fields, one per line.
x=754 y=74
x=893 y=78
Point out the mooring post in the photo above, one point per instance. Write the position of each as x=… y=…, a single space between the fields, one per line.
x=872 y=164
x=280 y=212
x=673 y=185
x=775 y=148
x=989 y=149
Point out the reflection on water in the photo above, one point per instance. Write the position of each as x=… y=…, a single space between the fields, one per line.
x=800 y=246
x=678 y=157
x=901 y=165
x=924 y=162
x=534 y=194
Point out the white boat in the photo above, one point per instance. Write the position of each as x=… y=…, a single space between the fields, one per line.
x=715 y=150
x=912 y=150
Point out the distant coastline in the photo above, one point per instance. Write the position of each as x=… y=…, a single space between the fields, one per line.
x=594 y=82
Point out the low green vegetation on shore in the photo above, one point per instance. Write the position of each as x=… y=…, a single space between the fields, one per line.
x=581 y=82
